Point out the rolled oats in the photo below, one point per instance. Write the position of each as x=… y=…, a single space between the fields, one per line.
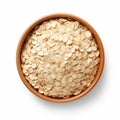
x=60 y=58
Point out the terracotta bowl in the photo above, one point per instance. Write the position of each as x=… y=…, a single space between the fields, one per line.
x=22 y=41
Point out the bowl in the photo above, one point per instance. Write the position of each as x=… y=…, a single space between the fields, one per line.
x=21 y=44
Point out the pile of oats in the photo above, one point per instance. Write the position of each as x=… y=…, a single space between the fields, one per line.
x=60 y=58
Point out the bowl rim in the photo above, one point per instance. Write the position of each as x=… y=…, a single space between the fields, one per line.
x=21 y=43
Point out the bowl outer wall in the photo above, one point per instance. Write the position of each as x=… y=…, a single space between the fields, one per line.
x=22 y=41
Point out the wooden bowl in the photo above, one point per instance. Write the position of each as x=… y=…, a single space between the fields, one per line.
x=22 y=41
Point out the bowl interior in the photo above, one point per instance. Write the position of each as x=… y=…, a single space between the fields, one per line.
x=22 y=41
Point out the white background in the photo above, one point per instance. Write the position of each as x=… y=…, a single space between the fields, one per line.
x=17 y=102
